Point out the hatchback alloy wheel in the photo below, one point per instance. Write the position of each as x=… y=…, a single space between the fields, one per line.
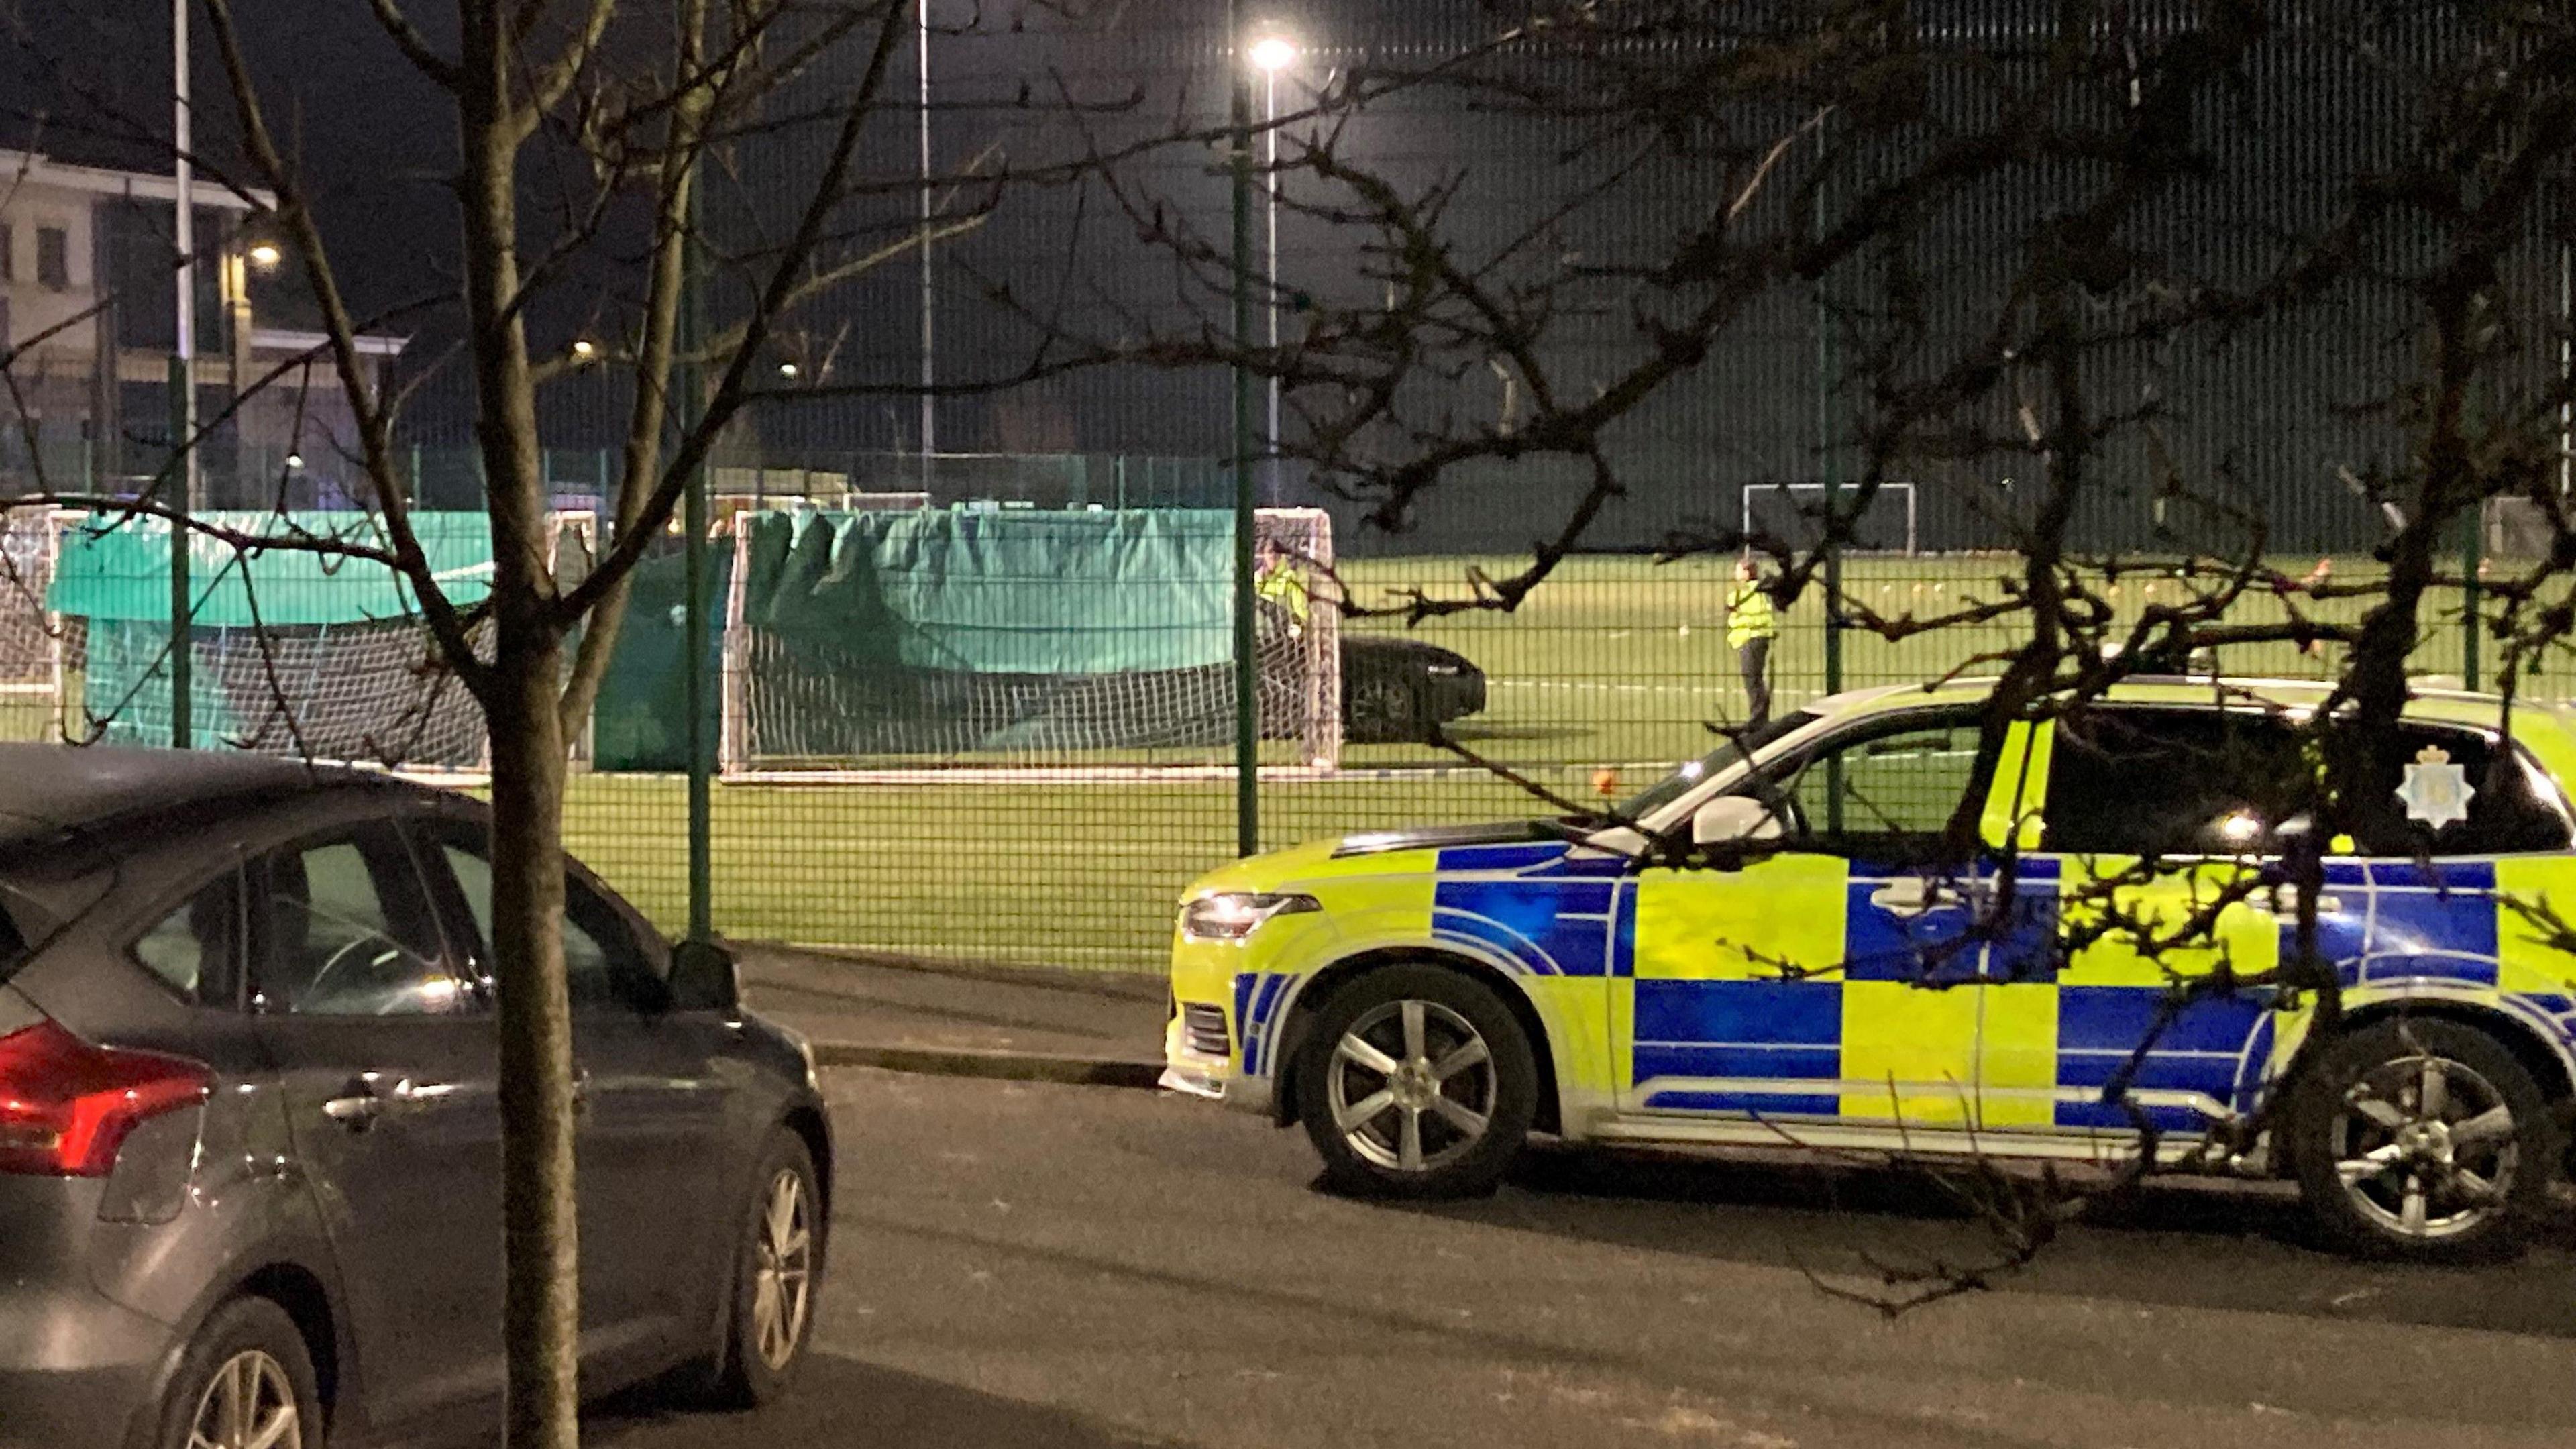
x=784 y=1272
x=248 y=1404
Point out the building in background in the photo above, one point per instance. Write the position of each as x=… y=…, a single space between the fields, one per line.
x=87 y=319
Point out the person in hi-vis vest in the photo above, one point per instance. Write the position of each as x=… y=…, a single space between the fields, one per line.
x=1280 y=583
x=1752 y=622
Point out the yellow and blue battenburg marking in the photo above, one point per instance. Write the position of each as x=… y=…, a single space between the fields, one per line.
x=1534 y=905
x=1808 y=985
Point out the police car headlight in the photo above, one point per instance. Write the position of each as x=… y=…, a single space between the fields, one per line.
x=1234 y=915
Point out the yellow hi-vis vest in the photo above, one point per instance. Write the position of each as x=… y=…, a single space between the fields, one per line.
x=1749 y=614
x=1286 y=587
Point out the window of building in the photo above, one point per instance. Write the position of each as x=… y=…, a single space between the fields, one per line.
x=8 y=253
x=53 y=257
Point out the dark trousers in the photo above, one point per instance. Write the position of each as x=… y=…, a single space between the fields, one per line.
x=1755 y=657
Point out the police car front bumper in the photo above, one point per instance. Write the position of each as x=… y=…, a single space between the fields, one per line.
x=1201 y=1074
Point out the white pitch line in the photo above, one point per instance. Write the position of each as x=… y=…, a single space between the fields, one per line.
x=1594 y=684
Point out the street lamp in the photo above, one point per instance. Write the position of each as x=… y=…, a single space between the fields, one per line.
x=264 y=255
x=1270 y=55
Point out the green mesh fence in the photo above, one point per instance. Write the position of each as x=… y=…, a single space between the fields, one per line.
x=941 y=834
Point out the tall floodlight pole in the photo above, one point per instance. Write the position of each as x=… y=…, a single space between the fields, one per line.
x=1247 y=699
x=183 y=386
x=929 y=297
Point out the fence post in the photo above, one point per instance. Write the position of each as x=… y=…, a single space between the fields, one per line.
x=1833 y=504
x=2472 y=553
x=691 y=400
x=182 y=656
x=1247 y=699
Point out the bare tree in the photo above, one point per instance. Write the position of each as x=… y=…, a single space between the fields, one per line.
x=588 y=134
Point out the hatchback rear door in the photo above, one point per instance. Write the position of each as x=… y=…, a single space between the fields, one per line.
x=652 y=1153
x=387 y=1056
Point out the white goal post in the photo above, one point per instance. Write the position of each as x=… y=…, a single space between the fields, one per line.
x=31 y=634
x=1090 y=725
x=1805 y=499
x=367 y=693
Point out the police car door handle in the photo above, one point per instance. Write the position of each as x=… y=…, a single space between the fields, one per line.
x=1905 y=896
x=2283 y=900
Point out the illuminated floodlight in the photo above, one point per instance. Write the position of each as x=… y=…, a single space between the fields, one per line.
x=1273 y=53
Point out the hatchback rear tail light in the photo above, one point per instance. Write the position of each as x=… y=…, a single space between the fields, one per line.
x=66 y=1106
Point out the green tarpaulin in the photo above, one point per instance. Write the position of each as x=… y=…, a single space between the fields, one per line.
x=1028 y=593
x=114 y=567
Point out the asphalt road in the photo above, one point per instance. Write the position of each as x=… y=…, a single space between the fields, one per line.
x=1081 y=1267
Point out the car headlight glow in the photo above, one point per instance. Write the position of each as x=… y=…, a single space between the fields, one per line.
x=1234 y=915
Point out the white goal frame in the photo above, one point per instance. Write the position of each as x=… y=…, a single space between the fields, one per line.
x=585 y=523
x=1793 y=490
x=1322 y=680
x=22 y=605
x=58 y=629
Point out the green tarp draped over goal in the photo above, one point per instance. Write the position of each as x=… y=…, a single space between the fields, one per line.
x=293 y=651
x=1009 y=592
x=117 y=567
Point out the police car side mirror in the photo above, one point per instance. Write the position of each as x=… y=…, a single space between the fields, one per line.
x=1733 y=820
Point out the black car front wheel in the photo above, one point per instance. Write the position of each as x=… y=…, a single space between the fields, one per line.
x=1385 y=708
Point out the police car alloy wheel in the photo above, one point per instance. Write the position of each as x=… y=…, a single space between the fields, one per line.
x=2423 y=1138
x=1416 y=1082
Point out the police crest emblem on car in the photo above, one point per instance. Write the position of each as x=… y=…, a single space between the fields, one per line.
x=2436 y=791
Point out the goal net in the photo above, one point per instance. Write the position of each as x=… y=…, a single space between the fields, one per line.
x=891 y=644
x=1794 y=513
x=31 y=654
x=289 y=656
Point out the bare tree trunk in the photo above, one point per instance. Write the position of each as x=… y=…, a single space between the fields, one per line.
x=543 y=1317
x=522 y=699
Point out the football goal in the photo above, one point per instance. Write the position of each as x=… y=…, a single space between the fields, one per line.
x=951 y=644
x=31 y=634
x=1795 y=512
x=290 y=653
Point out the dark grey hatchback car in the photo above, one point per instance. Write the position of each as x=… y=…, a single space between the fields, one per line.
x=250 y=1142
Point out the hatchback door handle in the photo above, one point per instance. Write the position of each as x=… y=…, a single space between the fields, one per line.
x=357 y=1111
x=363 y=1101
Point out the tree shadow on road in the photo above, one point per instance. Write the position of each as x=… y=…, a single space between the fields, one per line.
x=2175 y=1242
x=843 y=1402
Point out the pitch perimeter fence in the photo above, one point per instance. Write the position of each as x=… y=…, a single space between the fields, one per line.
x=957 y=789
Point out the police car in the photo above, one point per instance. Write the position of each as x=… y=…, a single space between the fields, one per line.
x=1423 y=1000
